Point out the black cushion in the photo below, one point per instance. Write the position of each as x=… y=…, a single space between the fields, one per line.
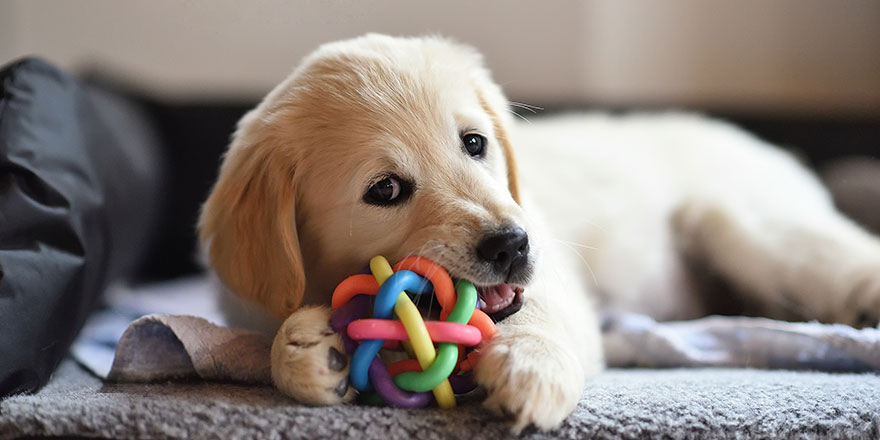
x=79 y=185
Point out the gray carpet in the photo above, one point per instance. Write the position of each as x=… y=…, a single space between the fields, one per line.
x=676 y=403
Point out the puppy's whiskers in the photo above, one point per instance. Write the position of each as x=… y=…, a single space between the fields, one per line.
x=423 y=250
x=584 y=260
x=351 y=221
x=524 y=106
x=519 y=115
x=576 y=244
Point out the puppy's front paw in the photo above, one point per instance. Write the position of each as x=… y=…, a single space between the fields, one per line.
x=308 y=360
x=530 y=377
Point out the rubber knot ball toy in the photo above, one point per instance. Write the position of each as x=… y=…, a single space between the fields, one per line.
x=374 y=311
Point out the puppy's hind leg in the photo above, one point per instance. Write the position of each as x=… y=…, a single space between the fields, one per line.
x=308 y=360
x=787 y=251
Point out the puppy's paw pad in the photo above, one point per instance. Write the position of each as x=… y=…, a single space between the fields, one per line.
x=337 y=361
x=308 y=361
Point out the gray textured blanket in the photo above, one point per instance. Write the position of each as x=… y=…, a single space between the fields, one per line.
x=714 y=403
x=629 y=403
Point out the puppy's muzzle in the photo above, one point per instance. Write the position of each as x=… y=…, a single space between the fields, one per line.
x=506 y=251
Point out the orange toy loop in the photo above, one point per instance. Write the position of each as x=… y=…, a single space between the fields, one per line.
x=483 y=322
x=363 y=284
x=445 y=291
x=470 y=361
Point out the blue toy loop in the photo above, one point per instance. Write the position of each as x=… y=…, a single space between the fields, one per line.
x=400 y=281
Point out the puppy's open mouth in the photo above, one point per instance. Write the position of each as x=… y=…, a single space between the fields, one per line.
x=501 y=300
x=498 y=301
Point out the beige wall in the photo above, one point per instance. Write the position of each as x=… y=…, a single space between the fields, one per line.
x=811 y=55
x=791 y=55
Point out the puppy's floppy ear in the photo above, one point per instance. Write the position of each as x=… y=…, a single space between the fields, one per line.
x=494 y=103
x=247 y=226
x=503 y=139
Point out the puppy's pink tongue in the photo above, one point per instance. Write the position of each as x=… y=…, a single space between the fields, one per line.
x=497 y=297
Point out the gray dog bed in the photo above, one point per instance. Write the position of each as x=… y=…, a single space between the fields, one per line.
x=620 y=403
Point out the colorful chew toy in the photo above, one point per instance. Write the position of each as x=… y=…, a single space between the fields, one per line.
x=407 y=383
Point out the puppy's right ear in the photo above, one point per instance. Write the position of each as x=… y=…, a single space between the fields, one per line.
x=247 y=227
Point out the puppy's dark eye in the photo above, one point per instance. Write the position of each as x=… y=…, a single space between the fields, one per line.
x=389 y=191
x=474 y=144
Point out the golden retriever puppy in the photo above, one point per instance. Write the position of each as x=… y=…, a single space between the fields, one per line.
x=401 y=146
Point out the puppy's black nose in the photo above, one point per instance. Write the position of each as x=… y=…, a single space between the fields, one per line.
x=507 y=250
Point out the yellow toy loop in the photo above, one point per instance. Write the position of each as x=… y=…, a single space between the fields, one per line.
x=420 y=340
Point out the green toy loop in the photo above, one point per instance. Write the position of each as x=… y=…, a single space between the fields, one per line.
x=447 y=353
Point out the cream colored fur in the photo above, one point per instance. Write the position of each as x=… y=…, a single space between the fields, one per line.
x=615 y=208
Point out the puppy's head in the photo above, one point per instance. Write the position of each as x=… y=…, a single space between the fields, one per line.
x=373 y=146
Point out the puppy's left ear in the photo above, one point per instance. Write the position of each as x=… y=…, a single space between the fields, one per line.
x=248 y=225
